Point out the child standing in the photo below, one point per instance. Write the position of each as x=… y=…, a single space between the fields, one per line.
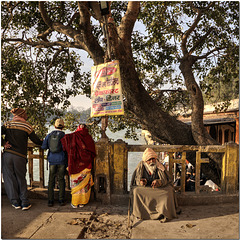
x=58 y=162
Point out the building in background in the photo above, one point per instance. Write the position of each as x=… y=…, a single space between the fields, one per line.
x=222 y=126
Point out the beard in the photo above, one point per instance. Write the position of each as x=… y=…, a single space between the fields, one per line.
x=152 y=167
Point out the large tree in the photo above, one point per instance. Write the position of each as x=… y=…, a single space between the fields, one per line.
x=182 y=41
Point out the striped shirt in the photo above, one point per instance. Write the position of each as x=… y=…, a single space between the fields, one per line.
x=17 y=134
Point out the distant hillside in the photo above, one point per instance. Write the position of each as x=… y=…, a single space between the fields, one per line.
x=84 y=114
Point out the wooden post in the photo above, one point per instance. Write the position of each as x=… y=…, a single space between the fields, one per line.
x=183 y=172
x=197 y=172
x=230 y=168
x=237 y=131
x=174 y=172
x=181 y=161
x=170 y=163
x=41 y=167
x=30 y=165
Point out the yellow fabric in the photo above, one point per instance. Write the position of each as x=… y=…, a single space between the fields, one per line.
x=79 y=196
x=82 y=184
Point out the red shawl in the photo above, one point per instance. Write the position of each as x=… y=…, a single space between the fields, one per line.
x=80 y=148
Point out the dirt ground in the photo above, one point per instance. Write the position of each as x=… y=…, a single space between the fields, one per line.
x=108 y=222
x=195 y=222
x=219 y=221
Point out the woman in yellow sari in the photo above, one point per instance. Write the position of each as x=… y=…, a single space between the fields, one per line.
x=80 y=148
x=81 y=184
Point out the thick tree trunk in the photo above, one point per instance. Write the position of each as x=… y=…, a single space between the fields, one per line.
x=162 y=125
x=200 y=134
x=138 y=101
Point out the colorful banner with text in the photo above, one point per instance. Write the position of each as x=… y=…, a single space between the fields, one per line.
x=106 y=90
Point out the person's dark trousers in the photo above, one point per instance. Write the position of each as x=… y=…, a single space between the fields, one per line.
x=14 y=171
x=59 y=171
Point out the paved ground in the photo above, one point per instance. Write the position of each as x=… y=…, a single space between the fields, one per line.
x=96 y=221
x=195 y=222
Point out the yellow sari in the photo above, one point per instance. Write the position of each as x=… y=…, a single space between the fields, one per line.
x=81 y=184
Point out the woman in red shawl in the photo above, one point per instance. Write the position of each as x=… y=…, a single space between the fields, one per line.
x=80 y=148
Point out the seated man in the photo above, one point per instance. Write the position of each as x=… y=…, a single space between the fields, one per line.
x=152 y=190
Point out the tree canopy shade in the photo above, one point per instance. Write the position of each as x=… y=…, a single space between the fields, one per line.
x=182 y=43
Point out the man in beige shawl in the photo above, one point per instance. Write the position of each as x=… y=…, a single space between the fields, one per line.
x=152 y=190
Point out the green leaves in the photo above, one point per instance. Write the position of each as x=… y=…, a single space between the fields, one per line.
x=38 y=85
x=158 y=52
x=127 y=122
x=222 y=82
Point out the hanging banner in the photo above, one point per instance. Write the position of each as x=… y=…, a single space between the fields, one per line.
x=106 y=90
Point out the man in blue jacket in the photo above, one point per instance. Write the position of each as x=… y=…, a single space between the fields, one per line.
x=58 y=162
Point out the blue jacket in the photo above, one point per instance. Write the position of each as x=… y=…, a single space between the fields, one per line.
x=55 y=158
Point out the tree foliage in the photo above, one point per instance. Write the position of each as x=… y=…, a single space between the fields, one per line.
x=156 y=53
x=222 y=83
x=36 y=79
x=214 y=42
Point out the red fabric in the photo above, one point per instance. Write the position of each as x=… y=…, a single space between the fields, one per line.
x=80 y=149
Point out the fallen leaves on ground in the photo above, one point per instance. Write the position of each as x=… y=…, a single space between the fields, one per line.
x=189 y=225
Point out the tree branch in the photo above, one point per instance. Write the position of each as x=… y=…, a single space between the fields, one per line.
x=44 y=35
x=191 y=29
x=210 y=52
x=44 y=44
x=59 y=27
x=44 y=14
x=92 y=45
x=121 y=36
x=199 y=42
x=126 y=26
x=84 y=38
x=188 y=32
x=84 y=16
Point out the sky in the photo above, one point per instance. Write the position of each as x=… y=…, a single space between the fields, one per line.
x=81 y=101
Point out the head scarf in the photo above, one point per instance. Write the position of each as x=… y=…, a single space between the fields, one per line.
x=80 y=148
x=81 y=127
x=148 y=154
